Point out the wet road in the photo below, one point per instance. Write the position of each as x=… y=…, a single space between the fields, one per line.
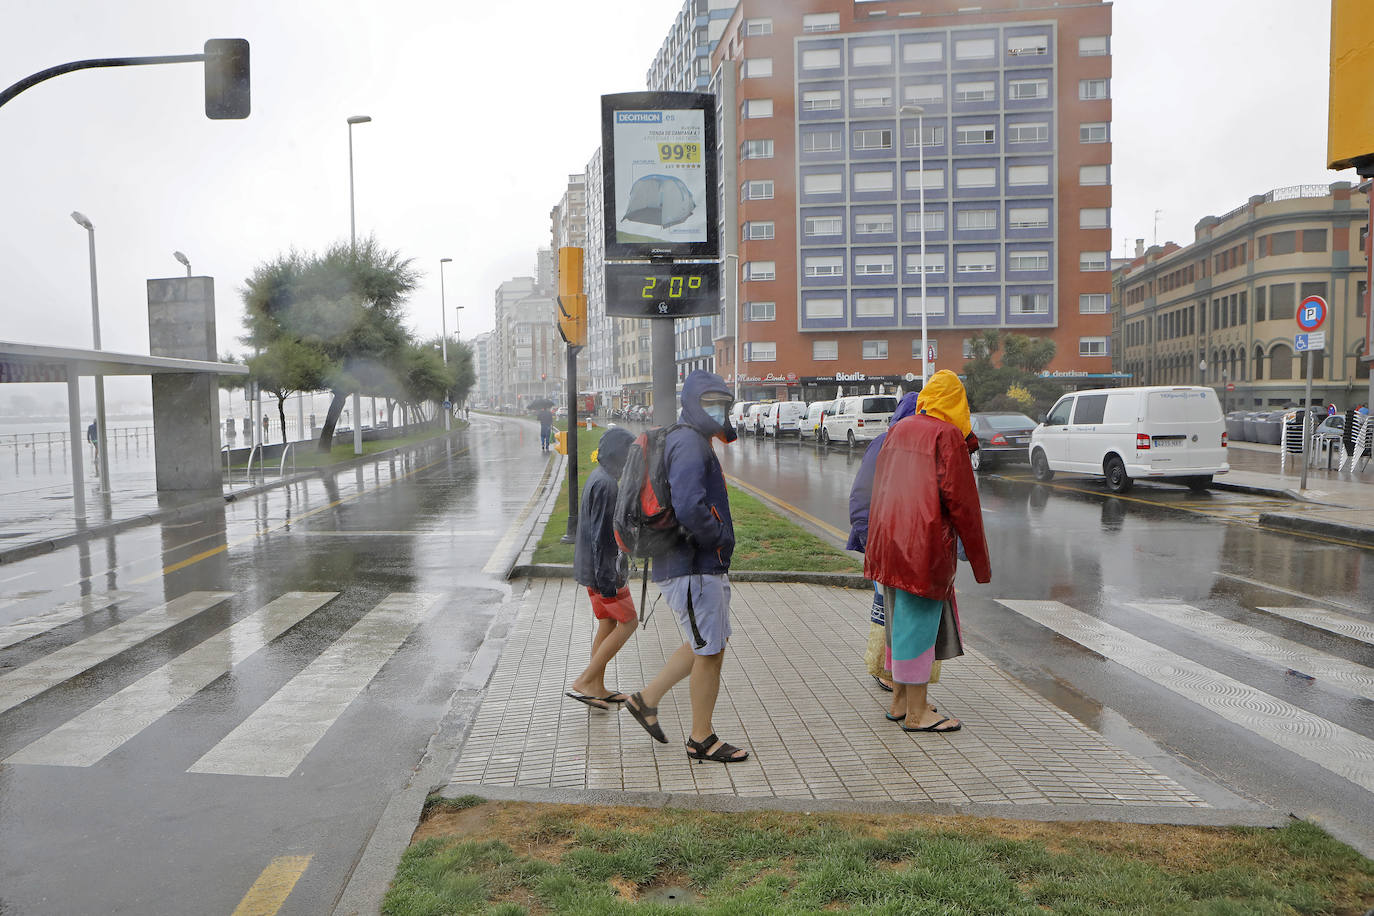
x=1164 y=619
x=195 y=713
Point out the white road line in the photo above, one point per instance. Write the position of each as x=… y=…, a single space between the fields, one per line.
x=52 y=669
x=1329 y=746
x=1256 y=643
x=1352 y=627
x=305 y=532
x=275 y=739
x=21 y=630
x=1288 y=591
x=20 y=576
x=86 y=739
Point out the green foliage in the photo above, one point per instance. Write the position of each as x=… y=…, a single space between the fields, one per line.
x=990 y=381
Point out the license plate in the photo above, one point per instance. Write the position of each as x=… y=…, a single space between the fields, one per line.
x=1168 y=443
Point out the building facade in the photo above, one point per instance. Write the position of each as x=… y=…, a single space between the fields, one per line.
x=568 y=229
x=485 y=387
x=1222 y=311
x=602 y=330
x=840 y=116
x=527 y=351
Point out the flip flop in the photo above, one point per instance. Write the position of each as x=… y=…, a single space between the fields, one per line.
x=892 y=718
x=936 y=727
x=593 y=702
x=615 y=698
x=879 y=681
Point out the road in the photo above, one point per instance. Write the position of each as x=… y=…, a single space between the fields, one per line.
x=197 y=714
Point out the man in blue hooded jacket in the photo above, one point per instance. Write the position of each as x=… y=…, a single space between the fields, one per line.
x=694 y=574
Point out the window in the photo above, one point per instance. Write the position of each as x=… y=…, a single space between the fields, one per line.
x=925 y=93
x=1038 y=132
x=1021 y=90
x=821 y=22
x=1029 y=304
x=1093 y=260
x=762 y=352
x=1314 y=240
x=1092 y=346
x=1092 y=133
x=1095 y=46
x=934 y=262
x=756 y=149
x=1028 y=45
x=873 y=97
x=873 y=265
x=757 y=108
x=823 y=308
x=822 y=141
x=1317 y=288
x=757 y=67
x=1092 y=218
x=975 y=219
x=760 y=311
x=874 y=307
x=935 y=305
x=823 y=225
x=1092 y=175
x=931 y=135
x=1091 y=90
x=1283 y=243
x=981 y=91
x=1028 y=260
x=872 y=139
x=934 y=220
x=1092 y=304
x=868 y=182
x=758 y=27
x=923 y=52
x=975 y=134
x=974 y=49
x=875 y=349
x=975 y=262
x=1028 y=218
x=872 y=56
x=821 y=59
x=929 y=179
x=1020 y=175
x=825 y=349
x=826 y=183
x=760 y=270
x=1091 y=408
x=976 y=178
x=762 y=229
x=872 y=223
x=757 y=190
x=821 y=100
x=824 y=266
x=977 y=305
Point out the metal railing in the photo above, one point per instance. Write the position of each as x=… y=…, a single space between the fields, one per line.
x=58 y=438
x=1292 y=192
x=281 y=472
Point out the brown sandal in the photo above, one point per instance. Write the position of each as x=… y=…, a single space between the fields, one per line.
x=697 y=750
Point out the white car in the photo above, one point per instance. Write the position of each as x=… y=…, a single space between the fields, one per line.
x=858 y=418
x=784 y=417
x=753 y=419
x=810 y=427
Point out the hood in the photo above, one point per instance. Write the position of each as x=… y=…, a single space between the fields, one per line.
x=905 y=407
x=613 y=449
x=697 y=384
x=943 y=398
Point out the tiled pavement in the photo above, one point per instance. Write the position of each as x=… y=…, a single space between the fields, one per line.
x=794 y=692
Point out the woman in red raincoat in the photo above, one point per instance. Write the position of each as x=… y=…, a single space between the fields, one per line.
x=924 y=497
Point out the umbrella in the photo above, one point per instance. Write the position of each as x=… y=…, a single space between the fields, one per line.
x=539 y=404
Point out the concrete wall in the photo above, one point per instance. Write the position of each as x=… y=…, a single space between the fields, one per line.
x=181 y=323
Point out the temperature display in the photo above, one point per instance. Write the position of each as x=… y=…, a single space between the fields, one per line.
x=661 y=291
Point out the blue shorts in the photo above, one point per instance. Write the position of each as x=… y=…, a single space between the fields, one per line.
x=710 y=608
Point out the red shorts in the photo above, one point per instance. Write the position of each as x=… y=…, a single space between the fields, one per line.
x=621 y=608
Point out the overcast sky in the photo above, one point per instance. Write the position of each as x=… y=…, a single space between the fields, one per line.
x=480 y=113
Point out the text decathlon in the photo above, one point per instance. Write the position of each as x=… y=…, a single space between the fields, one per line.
x=639 y=117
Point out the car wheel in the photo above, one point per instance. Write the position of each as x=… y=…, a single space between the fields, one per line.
x=1040 y=467
x=976 y=460
x=851 y=438
x=1118 y=481
x=825 y=436
x=1198 y=483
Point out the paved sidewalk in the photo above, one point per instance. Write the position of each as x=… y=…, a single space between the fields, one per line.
x=1337 y=504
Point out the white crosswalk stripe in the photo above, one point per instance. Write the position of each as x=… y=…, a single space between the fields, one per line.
x=1324 y=743
x=98 y=731
x=1340 y=624
x=21 y=630
x=275 y=739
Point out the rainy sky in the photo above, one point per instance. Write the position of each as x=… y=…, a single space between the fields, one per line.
x=480 y=112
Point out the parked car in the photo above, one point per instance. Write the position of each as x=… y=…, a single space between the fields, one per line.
x=810 y=427
x=753 y=420
x=1002 y=437
x=1124 y=434
x=738 y=412
x=784 y=418
x=858 y=418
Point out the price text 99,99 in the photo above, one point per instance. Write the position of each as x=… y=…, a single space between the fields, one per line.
x=679 y=152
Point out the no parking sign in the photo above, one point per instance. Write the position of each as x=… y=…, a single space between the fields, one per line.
x=1311 y=313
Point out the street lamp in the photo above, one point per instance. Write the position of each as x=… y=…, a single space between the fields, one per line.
x=443 y=324
x=919 y=112
x=734 y=286
x=184 y=260
x=353 y=249
x=102 y=441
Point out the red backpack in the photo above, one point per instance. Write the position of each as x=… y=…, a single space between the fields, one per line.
x=644 y=522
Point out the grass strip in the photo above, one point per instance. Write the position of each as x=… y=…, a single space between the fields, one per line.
x=307 y=455
x=522 y=858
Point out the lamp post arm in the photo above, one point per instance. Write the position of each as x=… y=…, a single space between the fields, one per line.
x=42 y=75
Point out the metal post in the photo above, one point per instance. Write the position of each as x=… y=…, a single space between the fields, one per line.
x=736 y=311
x=1306 y=424
x=101 y=433
x=353 y=249
x=662 y=354
x=443 y=326
x=571 y=535
x=74 y=431
x=921 y=206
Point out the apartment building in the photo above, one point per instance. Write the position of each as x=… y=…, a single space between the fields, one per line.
x=568 y=229
x=1222 y=310
x=836 y=118
x=484 y=388
x=527 y=352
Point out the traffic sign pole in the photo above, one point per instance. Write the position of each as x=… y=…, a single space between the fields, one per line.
x=1311 y=314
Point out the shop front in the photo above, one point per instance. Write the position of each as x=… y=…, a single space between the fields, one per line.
x=828 y=387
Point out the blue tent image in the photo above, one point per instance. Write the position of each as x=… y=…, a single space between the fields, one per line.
x=659 y=200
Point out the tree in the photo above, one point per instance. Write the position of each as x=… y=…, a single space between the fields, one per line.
x=1016 y=384
x=286 y=367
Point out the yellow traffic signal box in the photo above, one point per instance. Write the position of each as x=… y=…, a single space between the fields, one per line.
x=572 y=302
x=560 y=442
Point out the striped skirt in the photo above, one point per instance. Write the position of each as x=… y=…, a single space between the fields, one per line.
x=920 y=632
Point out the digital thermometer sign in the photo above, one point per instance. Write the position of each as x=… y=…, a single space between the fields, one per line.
x=662 y=290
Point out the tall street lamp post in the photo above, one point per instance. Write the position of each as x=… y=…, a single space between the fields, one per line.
x=919 y=112
x=102 y=440
x=353 y=248
x=734 y=288
x=443 y=325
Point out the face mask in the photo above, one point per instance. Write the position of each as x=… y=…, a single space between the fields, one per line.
x=716 y=412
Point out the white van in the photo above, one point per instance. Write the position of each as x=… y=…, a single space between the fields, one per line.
x=858 y=418
x=753 y=419
x=1129 y=433
x=783 y=417
x=738 y=413
x=811 y=424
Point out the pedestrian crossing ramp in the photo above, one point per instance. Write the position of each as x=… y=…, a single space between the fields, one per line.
x=272 y=741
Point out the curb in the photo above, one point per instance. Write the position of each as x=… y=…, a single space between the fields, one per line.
x=832 y=580
x=1306 y=525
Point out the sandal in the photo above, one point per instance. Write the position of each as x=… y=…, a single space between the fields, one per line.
x=892 y=718
x=879 y=681
x=641 y=712
x=593 y=702
x=936 y=727
x=697 y=750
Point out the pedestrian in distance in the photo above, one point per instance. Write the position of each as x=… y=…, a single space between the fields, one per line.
x=93 y=437
x=925 y=502
x=599 y=565
x=545 y=428
x=693 y=574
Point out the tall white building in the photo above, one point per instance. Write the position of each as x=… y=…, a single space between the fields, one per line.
x=527 y=350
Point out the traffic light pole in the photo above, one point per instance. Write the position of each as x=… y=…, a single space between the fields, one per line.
x=571 y=535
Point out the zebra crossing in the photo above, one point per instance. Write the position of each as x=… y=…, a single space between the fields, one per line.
x=272 y=741
x=1327 y=744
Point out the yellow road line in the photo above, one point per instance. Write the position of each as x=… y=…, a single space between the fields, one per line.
x=770 y=498
x=273 y=886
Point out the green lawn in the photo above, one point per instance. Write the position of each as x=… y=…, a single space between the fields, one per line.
x=306 y=455
x=509 y=858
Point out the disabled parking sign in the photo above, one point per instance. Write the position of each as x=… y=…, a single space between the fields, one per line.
x=1311 y=313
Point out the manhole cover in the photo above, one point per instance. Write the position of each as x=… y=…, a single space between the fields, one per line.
x=670 y=895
